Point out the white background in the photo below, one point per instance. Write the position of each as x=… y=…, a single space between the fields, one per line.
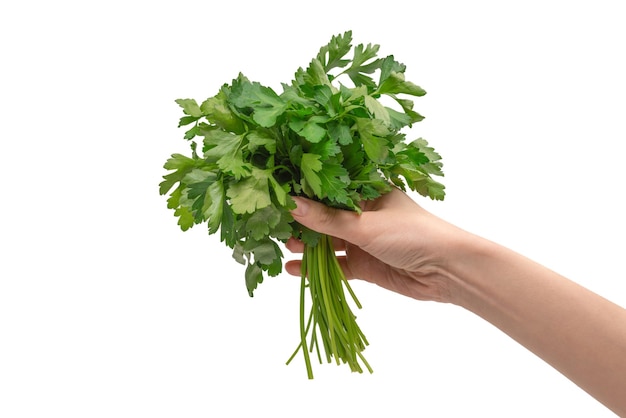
x=107 y=309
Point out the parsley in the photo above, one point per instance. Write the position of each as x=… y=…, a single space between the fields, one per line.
x=327 y=136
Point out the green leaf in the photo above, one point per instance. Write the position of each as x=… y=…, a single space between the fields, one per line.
x=266 y=253
x=325 y=97
x=254 y=276
x=238 y=254
x=174 y=200
x=306 y=235
x=218 y=112
x=192 y=133
x=377 y=109
x=190 y=107
x=325 y=149
x=398 y=120
x=228 y=232
x=179 y=162
x=258 y=138
x=419 y=180
x=362 y=54
x=213 y=208
x=389 y=66
x=358 y=68
x=316 y=74
x=183 y=210
x=312 y=129
x=283 y=230
x=433 y=165
x=280 y=191
x=265 y=104
x=413 y=155
x=331 y=55
x=353 y=96
x=262 y=221
x=340 y=133
x=169 y=180
x=185 y=218
x=313 y=132
x=225 y=149
x=251 y=193
x=276 y=266
x=310 y=166
x=373 y=133
x=426 y=186
x=198 y=182
x=186 y=120
x=422 y=145
x=396 y=84
x=182 y=165
x=334 y=180
x=219 y=144
x=407 y=107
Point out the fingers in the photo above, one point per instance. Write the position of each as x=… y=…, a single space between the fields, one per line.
x=296 y=246
x=349 y=226
x=326 y=220
x=293 y=267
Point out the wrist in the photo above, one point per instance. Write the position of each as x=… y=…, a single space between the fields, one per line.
x=465 y=269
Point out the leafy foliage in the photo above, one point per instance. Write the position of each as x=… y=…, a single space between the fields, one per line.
x=326 y=136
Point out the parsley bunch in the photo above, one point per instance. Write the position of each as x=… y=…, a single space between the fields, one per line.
x=334 y=134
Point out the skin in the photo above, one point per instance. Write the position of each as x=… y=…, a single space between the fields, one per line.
x=400 y=246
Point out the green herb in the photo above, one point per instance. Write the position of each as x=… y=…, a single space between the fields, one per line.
x=328 y=136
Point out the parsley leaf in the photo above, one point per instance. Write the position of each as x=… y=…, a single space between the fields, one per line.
x=251 y=193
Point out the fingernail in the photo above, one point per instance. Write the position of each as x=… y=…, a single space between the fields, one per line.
x=302 y=207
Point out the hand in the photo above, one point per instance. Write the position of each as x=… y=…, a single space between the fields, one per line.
x=394 y=243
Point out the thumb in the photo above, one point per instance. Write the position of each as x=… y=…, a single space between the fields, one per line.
x=338 y=223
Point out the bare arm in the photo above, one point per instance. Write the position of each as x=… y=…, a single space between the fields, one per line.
x=398 y=245
x=578 y=332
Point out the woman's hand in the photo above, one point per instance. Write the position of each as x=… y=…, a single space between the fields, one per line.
x=393 y=243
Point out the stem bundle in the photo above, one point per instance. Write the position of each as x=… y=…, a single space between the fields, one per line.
x=331 y=323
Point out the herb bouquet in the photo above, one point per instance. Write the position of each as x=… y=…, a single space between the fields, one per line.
x=334 y=134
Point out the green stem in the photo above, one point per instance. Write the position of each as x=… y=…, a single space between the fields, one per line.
x=331 y=322
x=325 y=287
x=303 y=330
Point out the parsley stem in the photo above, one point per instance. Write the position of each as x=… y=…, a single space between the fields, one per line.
x=284 y=167
x=303 y=330
x=331 y=323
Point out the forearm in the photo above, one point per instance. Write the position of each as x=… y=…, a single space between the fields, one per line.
x=578 y=332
